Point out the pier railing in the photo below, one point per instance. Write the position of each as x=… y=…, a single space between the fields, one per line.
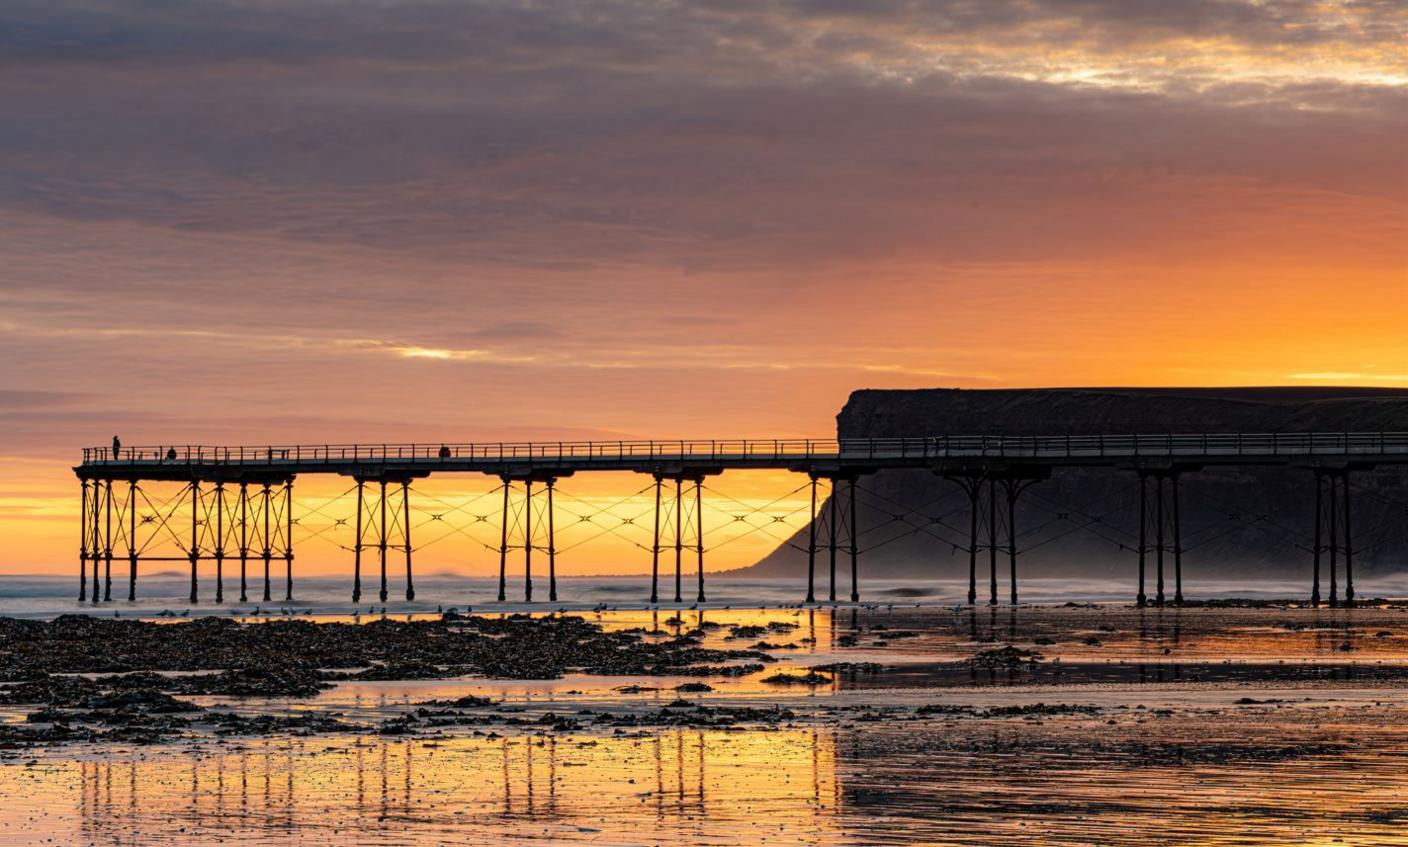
x=744 y=451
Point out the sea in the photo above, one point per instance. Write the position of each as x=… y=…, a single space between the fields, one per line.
x=44 y=596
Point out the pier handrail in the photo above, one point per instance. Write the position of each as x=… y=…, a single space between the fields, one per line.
x=1142 y=445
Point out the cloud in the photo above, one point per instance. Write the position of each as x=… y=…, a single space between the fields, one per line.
x=695 y=137
x=261 y=195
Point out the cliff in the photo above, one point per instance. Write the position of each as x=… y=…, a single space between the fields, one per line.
x=1237 y=522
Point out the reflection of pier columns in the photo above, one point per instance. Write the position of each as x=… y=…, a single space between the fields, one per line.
x=518 y=757
x=1332 y=517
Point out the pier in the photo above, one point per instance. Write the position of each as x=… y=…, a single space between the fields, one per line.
x=240 y=501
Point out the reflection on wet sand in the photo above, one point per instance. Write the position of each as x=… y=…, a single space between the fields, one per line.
x=1204 y=779
x=677 y=785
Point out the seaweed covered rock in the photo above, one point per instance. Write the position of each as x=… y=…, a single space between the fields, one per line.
x=1004 y=658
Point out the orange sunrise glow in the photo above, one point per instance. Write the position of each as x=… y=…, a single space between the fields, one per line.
x=705 y=223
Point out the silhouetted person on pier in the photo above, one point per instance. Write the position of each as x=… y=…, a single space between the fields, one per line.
x=170 y=454
x=116 y=446
x=444 y=452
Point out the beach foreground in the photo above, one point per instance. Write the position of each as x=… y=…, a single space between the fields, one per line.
x=1058 y=725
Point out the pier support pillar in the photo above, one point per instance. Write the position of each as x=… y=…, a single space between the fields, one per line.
x=519 y=524
x=811 y=545
x=1159 y=539
x=195 y=537
x=679 y=535
x=528 y=541
x=839 y=521
x=107 y=540
x=1013 y=488
x=381 y=535
x=655 y=546
x=1348 y=542
x=1177 y=544
x=992 y=544
x=699 y=533
x=1140 y=599
x=503 y=542
x=266 y=537
x=854 y=535
x=244 y=541
x=831 y=538
x=975 y=498
x=83 y=544
x=406 y=536
x=1334 y=542
x=675 y=513
x=131 y=540
x=1333 y=518
x=357 y=544
x=552 y=545
x=1164 y=517
x=96 y=554
x=288 y=539
x=992 y=526
x=385 y=517
x=219 y=539
x=972 y=485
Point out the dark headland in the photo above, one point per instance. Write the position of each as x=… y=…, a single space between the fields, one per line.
x=1238 y=522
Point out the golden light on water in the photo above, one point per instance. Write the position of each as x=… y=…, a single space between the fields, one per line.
x=676 y=784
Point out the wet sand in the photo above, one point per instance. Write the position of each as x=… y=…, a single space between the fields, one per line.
x=1193 y=726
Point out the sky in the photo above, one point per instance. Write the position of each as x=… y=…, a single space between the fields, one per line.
x=298 y=220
